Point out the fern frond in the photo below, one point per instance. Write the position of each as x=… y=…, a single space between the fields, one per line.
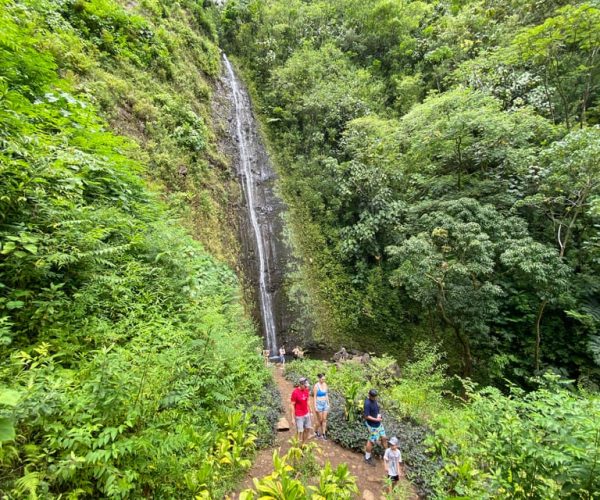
x=28 y=484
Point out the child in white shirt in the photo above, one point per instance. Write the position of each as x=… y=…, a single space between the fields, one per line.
x=392 y=459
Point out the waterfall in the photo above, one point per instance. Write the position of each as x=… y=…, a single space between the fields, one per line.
x=250 y=151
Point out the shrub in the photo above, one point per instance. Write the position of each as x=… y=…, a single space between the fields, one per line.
x=290 y=475
x=265 y=413
x=542 y=444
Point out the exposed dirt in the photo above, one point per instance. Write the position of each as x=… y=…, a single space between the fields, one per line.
x=370 y=480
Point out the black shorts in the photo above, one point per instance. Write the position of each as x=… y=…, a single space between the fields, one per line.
x=394 y=479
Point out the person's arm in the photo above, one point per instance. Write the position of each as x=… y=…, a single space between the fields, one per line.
x=293 y=409
x=386 y=462
x=314 y=401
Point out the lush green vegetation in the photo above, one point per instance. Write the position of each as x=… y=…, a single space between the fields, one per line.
x=541 y=444
x=440 y=161
x=298 y=468
x=127 y=362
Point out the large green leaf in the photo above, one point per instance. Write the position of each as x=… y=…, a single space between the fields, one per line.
x=9 y=397
x=7 y=429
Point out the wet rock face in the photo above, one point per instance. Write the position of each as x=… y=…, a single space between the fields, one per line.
x=265 y=254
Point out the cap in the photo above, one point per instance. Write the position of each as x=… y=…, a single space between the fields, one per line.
x=302 y=380
x=372 y=392
x=394 y=441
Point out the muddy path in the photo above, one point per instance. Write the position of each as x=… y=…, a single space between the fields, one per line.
x=370 y=480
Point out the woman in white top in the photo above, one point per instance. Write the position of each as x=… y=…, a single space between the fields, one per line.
x=282 y=355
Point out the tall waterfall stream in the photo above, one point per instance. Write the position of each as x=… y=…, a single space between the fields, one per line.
x=262 y=205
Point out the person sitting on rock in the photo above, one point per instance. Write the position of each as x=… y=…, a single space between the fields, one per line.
x=341 y=355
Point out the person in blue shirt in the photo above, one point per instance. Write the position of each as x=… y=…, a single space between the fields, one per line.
x=372 y=416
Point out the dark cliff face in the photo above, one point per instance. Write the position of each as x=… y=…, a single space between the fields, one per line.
x=265 y=256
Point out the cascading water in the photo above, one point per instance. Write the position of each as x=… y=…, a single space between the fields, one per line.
x=258 y=200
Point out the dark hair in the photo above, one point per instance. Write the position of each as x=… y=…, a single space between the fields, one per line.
x=320 y=375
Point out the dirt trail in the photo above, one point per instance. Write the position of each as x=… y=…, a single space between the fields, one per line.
x=370 y=480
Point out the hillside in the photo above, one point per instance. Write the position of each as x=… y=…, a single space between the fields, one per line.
x=125 y=349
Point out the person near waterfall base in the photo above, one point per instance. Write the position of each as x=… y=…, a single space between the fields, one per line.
x=372 y=418
x=300 y=410
x=321 y=402
x=282 y=355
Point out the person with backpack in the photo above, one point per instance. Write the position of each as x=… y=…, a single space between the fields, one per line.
x=372 y=418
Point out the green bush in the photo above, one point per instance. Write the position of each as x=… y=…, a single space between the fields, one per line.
x=542 y=444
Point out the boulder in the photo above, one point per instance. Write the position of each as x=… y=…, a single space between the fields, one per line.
x=283 y=425
x=341 y=355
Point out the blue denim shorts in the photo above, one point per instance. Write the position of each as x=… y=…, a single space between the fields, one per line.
x=322 y=405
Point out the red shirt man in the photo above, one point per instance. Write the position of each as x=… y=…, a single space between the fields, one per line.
x=299 y=399
x=299 y=404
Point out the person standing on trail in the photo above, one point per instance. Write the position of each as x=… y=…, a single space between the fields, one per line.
x=300 y=410
x=392 y=458
x=372 y=416
x=321 y=400
x=266 y=355
x=282 y=355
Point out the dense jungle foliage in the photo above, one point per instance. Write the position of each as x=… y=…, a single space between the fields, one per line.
x=440 y=162
x=127 y=363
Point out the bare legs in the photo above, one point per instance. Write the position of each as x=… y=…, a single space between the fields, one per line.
x=322 y=422
x=369 y=445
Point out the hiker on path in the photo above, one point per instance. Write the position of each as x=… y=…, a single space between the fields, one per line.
x=321 y=401
x=266 y=355
x=392 y=458
x=372 y=416
x=300 y=411
x=282 y=355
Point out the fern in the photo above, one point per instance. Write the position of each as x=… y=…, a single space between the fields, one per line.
x=28 y=485
x=594 y=348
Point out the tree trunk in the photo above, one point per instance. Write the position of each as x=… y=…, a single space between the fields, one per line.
x=466 y=348
x=462 y=338
x=538 y=334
